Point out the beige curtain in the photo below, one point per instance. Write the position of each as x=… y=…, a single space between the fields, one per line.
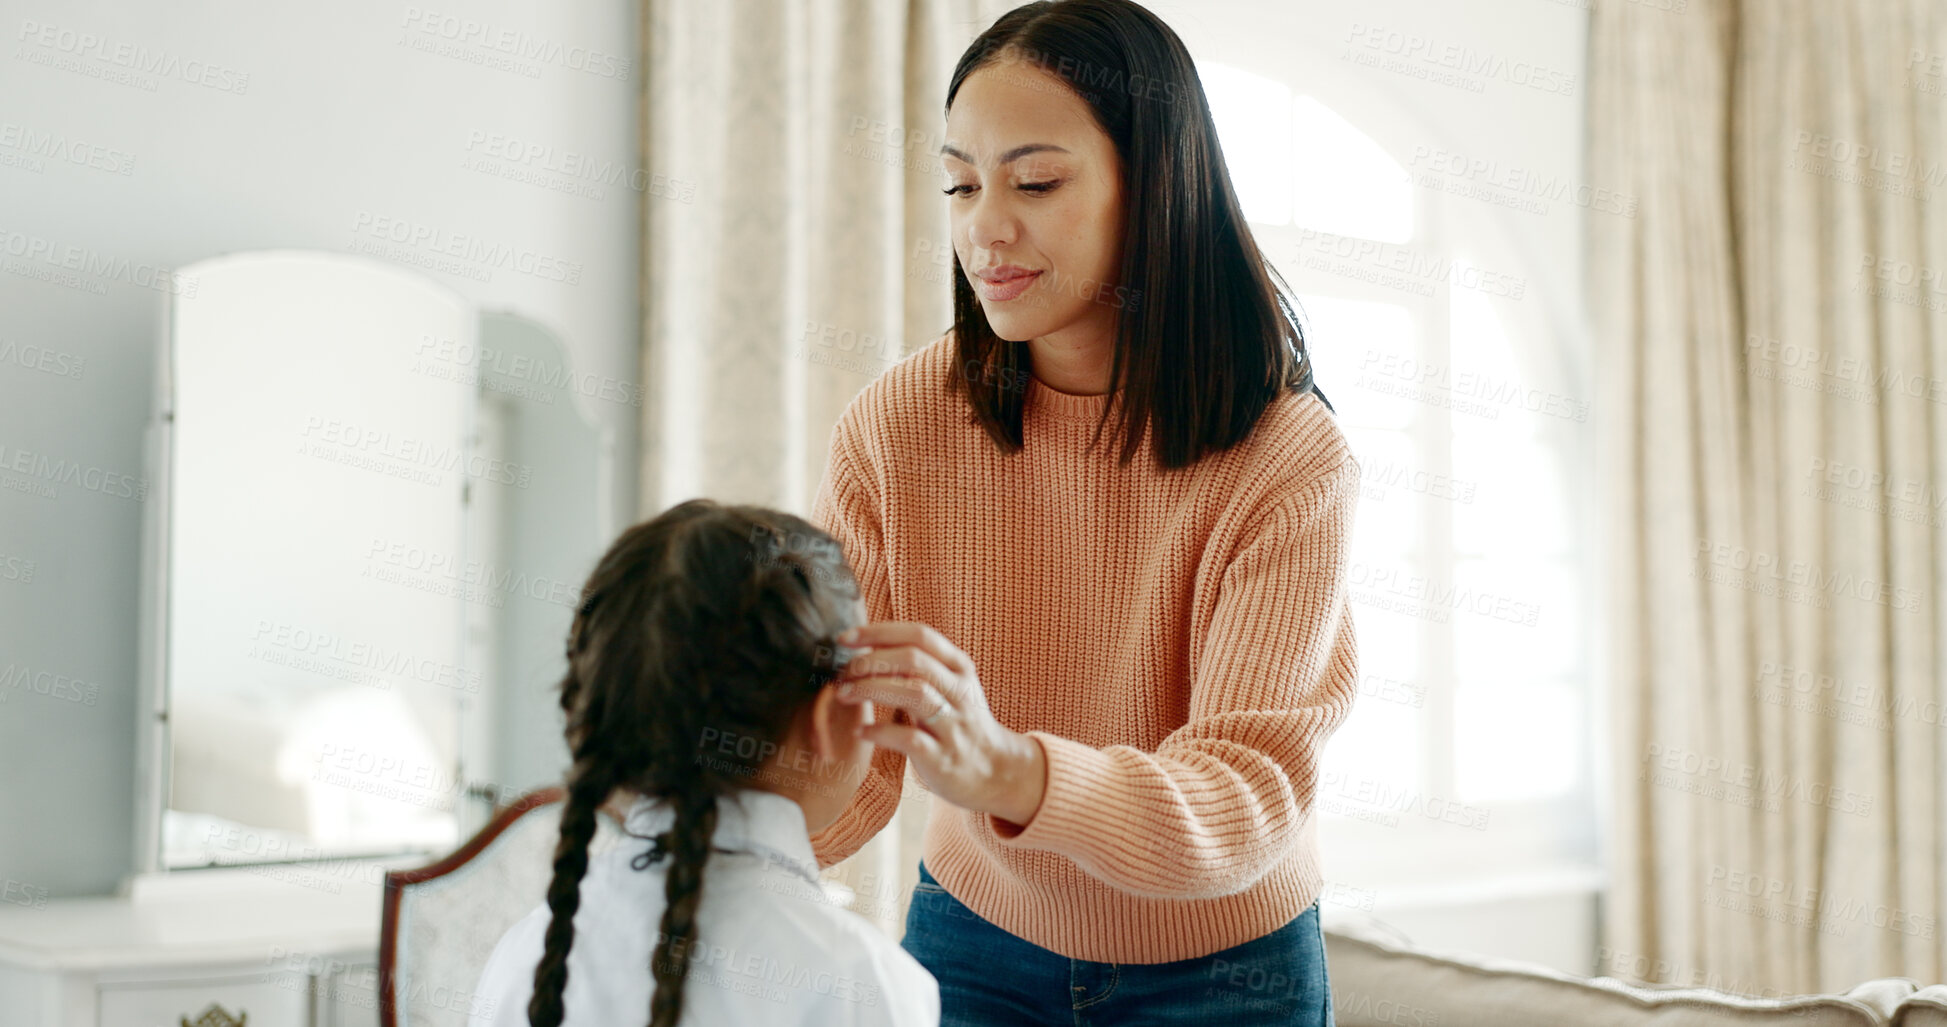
x=1773 y=329
x=793 y=230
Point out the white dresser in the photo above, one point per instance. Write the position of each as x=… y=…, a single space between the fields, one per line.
x=270 y=946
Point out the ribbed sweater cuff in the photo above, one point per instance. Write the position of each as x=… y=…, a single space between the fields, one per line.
x=868 y=812
x=1072 y=807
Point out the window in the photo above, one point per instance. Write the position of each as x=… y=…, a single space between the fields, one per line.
x=1465 y=749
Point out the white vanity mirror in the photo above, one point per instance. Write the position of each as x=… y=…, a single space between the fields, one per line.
x=374 y=503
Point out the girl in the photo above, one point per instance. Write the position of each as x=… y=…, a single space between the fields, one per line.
x=699 y=713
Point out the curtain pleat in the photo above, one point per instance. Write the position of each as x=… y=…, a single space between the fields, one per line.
x=1774 y=423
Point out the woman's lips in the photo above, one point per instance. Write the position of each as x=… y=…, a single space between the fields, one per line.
x=1000 y=292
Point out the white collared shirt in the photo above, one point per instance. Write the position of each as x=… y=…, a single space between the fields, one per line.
x=770 y=948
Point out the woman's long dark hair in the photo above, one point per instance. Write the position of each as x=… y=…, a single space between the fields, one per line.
x=706 y=619
x=1207 y=333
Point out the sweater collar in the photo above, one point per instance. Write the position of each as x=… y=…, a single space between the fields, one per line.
x=1064 y=406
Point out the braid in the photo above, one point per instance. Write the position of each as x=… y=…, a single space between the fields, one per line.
x=590 y=783
x=689 y=849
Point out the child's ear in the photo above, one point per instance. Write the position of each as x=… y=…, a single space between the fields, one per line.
x=825 y=728
x=832 y=724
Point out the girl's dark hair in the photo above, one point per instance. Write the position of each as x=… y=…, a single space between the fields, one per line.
x=1207 y=332
x=707 y=621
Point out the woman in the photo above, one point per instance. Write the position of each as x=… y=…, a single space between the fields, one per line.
x=1119 y=671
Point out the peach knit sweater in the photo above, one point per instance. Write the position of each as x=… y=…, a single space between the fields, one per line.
x=1177 y=642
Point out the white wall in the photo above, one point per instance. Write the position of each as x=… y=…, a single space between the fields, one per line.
x=137 y=137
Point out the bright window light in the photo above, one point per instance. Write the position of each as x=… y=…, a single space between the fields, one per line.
x=1523 y=629
x=1344 y=182
x=1365 y=356
x=1380 y=742
x=1293 y=160
x=1518 y=496
x=1480 y=341
x=1466 y=520
x=1515 y=742
x=1391 y=517
x=1253 y=116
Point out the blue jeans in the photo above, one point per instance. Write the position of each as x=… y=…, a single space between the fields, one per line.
x=989 y=977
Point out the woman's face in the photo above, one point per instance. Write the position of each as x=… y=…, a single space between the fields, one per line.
x=1035 y=203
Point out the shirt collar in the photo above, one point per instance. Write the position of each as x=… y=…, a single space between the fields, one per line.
x=765 y=824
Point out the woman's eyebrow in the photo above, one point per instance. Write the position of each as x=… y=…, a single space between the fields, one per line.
x=1006 y=158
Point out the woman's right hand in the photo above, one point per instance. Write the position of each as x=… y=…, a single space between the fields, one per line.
x=958 y=749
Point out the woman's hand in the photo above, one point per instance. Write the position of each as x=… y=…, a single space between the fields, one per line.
x=960 y=752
